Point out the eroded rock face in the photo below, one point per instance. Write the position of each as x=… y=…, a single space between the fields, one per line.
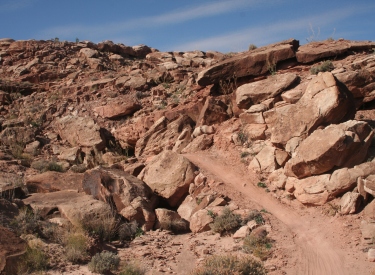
x=169 y=175
x=131 y=197
x=256 y=92
x=323 y=103
x=249 y=63
x=115 y=110
x=51 y=181
x=342 y=145
x=80 y=131
x=163 y=135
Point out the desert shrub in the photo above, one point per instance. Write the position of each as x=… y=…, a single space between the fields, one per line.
x=244 y=154
x=229 y=265
x=105 y=227
x=33 y=260
x=128 y=231
x=226 y=222
x=26 y=222
x=254 y=215
x=44 y=165
x=80 y=168
x=326 y=66
x=104 y=262
x=132 y=269
x=243 y=137
x=76 y=244
x=252 y=47
x=258 y=246
x=174 y=225
x=262 y=184
x=229 y=85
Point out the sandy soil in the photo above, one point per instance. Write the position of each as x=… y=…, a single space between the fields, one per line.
x=320 y=244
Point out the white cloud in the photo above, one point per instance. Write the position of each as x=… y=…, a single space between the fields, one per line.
x=265 y=34
x=173 y=17
x=15 y=5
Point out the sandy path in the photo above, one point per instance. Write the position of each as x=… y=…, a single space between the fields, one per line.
x=316 y=253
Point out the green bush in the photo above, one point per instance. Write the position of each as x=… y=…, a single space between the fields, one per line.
x=26 y=222
x=128 y=231
x=229 y=265
x=326 y=66
x=76 y=244
x=262 y=184
x=44 y=165
x=132 y=269
x=254 y=215
x=33 y=260
x=252 y=47
x=104 y=262
x=105 y=228
x=226 y=222
x=258 y=246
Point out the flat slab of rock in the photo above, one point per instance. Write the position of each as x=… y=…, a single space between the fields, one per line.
x=256 y=92
x=51 y=181
x=324 y=49
x=80 y=131
x=251 y=63
x=169 y=175
x=117 y=110
x=338 y=145
x=72 y=205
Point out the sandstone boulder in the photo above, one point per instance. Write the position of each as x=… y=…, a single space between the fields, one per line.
x=251 y=63
x=169 y=175
x=213 y=111
x=200 y=221
x=324 y=49
x=131 y=197
x=323 y=103
x=349 y=203
x=342 y=145
x=187 y=207
x=265 y=160
x=80 y=131
x=256 y=92
x=12 y=248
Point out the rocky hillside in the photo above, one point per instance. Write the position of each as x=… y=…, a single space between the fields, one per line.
x=111 y=135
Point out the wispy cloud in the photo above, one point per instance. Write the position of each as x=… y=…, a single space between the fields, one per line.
x=15 y=5
x=265 y=34
x=172 y=17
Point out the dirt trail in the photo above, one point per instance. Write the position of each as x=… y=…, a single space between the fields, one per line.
x=315 y=251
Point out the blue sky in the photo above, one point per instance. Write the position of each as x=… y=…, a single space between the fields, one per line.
x=179 y=25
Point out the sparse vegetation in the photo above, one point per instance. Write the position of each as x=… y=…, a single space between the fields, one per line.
x=76 y=244
x=252 y=47
x=326 y=66
x=131 y=268
x=226 y=222
x=261 y=184
x=26 y=222
x=229 y=85
x=244 y=154
x=243 y=137
x=254 y=215
x=104 y=262
x=128 y=231
x=34 y=260
x=258 y=246
x=229 y=265
x=44 y=165
x=104 y=228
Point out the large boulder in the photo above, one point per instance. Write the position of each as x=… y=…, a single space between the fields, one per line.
x=80 y=131
x=323 y=103
x=169 y=175
x=163 y=135
x=324 y=49
x=256 y=92
x=12 y=248
x=131 y=197
x=342 y=145
x=317 y=190
x=250 y=63
x=213 y=111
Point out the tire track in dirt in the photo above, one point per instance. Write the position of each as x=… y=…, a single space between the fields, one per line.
x=316 y=253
